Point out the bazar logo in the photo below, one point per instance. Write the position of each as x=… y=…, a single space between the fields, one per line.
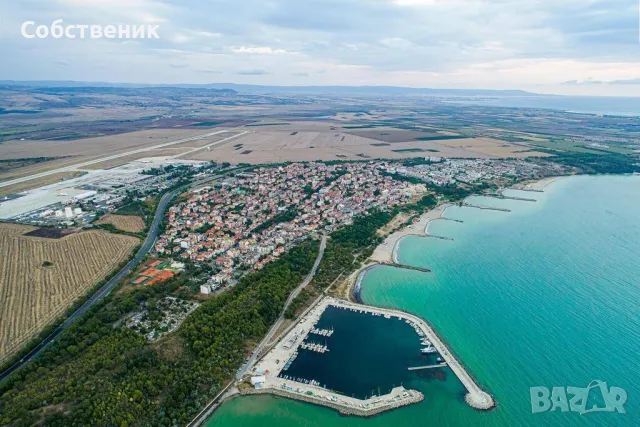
x=596 y=397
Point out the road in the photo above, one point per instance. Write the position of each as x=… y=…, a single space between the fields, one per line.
x=249 y=364
x=108 y=287
x=104 y=159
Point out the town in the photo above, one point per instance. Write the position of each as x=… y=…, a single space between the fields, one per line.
x=246 y=221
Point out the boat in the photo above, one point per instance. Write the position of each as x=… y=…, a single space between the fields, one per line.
x=429 y=350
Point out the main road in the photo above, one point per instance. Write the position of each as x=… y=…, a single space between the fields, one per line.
x=108 y=287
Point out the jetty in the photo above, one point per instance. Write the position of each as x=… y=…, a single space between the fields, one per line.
x=444 y=218
x=489 y=208
x=503 y=197
x=405 y=267
x=532 y=190
x=433 y=236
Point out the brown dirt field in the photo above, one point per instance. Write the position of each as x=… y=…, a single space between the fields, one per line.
x=390 y=134
x=492 y=147
x=276 y=146
x=129 y=223
x=39 y=182
x=32 y=295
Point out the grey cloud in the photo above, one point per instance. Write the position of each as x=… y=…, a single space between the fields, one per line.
x=585 y=82
x=256 y=72
x=377 y=34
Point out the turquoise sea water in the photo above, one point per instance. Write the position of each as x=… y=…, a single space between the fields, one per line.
x=545 y=295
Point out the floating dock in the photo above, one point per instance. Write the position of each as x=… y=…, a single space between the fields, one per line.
x=318 y=348
x=418 y=368
x=322 y=332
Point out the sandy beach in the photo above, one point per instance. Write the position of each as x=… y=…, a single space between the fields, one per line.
x=385 y=252
x=538 y=185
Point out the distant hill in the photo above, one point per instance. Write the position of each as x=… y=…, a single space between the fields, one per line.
x=255 y=89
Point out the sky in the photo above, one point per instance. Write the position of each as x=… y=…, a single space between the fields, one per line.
x=586 y=47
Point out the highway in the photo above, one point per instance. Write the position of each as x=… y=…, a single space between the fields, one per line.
x=249 y=363
x=104 y=159
x=108 y=287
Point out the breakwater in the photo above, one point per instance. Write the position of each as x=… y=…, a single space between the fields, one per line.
x=398 y=398
x=503 y=197
x=489 y=208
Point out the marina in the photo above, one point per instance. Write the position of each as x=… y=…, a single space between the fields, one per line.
x=302 y=365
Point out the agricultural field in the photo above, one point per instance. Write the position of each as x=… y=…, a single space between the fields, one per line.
x=42 y=277
x=128 y=223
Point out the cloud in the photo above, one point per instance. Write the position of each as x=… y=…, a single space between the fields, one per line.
x=583 y=82
x=263 y=50
x=256 y=72
x=483 y=43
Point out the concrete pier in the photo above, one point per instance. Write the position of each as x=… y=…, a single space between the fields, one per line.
x=398 y=398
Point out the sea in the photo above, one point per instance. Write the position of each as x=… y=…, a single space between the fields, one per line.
x=599 y=105
x=544 y=295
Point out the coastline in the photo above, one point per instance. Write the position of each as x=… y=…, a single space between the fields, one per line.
x=386 y=252
x=538 y=185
